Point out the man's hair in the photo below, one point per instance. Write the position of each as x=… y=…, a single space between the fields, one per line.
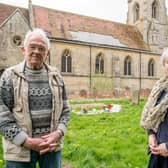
x=36 y=32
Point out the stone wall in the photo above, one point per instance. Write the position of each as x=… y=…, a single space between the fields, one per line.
x=83 y=82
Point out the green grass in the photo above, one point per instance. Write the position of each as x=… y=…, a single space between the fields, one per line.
x=105 y=140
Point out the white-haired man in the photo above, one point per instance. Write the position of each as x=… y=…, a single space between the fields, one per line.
x=34 y=110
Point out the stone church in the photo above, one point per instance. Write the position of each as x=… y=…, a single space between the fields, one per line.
x=96 y=57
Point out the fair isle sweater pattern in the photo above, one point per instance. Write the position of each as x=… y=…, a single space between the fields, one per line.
x=40 y=100
x=8 y=127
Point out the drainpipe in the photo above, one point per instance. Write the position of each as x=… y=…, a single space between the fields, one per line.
x=90 y=74
x=140 y=77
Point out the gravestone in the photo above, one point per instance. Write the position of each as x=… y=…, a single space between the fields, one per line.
x=135 y=96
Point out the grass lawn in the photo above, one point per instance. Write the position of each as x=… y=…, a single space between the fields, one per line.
x=106 y=140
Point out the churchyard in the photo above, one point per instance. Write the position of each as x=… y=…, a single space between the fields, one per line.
x=104 y=140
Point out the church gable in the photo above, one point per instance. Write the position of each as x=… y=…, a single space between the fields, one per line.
x=16 y=19
x=7 y=10
x=12 y=32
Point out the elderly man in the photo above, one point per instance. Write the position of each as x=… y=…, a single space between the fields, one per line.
x=34 y=110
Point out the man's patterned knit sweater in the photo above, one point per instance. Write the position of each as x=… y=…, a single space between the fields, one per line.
x=40 y=100
x=40 y=104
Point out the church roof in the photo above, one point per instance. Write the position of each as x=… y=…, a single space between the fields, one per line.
x=72 y=26
x=7 y=10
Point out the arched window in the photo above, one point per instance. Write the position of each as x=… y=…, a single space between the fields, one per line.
x=154 y=9
x=99 y=66
x=66 y=61
x=136 y=12
x=151 y=66
x=127 y=66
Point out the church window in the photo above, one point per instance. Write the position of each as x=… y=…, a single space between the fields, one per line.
x=151 y=68
x=127 y=66
x=99 y=66
x=66 y=61
x=154 y=9
x=17 y=40
x=137 y=11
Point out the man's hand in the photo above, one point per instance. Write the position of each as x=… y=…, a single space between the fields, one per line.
x=33 y=143
x=44 y=144
x=49 y=143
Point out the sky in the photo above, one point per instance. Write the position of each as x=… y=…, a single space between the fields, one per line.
x=114 y=10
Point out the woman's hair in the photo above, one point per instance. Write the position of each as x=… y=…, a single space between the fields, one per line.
x=36 y=32
x=164 y=57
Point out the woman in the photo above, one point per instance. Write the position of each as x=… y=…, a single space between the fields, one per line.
x=155 y=119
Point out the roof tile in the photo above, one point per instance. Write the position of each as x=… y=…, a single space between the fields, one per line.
x=59 y=24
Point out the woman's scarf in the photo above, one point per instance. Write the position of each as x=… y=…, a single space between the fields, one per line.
x=153 y=114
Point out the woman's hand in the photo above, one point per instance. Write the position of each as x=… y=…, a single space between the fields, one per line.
x=152 y=141
x=160 y=150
